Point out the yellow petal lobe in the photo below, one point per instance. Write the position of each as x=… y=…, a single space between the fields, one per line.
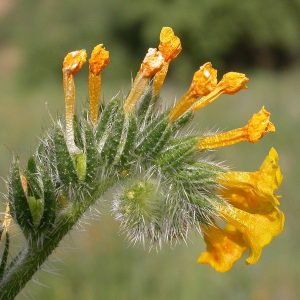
x=259 y=125
x=204 y=81
x=231 y=83
x=99 y=59
x=170 y=45
x=74 y=61
x=223 y=247
x=253 y=191
x=258 y=230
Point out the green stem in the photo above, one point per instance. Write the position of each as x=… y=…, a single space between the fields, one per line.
x=35 y=254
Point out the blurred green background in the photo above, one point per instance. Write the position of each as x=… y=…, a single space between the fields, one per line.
x=259 y=38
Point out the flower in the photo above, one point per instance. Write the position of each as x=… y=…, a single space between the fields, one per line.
x=253 y=215
x=72 y=64
x=255 y=129
x=245 y=202
x=205 y=84
x=231 y=83
x=204 y=81
x=98 y=61
x=152 y=63
x=253 y=191
x=170 y=47
x=224 y=247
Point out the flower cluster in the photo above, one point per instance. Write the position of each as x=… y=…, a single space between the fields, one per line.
x=166 y=185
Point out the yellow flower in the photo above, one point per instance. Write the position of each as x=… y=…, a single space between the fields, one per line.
x=253 y=215
x=230 y=84
x=74 y=61
x=253 y=191
x=204 y=81
x=72 y=64
x=169 y=45
x=257 y=230
x=256 y=128
x=224 y=247
x=151 y=64
x=98 y=61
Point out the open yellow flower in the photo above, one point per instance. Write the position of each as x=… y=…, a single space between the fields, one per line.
x=253 y=191
x=257 y=230
x=254 y=216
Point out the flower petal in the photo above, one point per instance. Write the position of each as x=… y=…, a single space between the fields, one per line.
x=170 y=45
x=224 y=247
x=258 y=230
x=254 y=191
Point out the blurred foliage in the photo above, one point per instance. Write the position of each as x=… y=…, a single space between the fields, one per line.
x=227 y=32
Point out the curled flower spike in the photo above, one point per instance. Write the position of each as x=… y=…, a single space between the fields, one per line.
x=73 y=62
x=163 y=186
x=151 y=64
x=170 y=47
x=98 y=61
x=204 y=81
x=230 y=84
x=256 y=128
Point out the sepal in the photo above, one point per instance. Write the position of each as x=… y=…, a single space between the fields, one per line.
x=19 y=207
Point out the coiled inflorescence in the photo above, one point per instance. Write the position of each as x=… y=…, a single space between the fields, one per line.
x=166 y=185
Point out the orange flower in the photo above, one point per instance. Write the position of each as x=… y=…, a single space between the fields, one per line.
x=254 y=217
x=98 y=61
x=204 y=81
x=256 y=128
x=169 y=47
x=73 y=62
x=231 y=83
x=254 y=191
x=224 y=247
x=151 y=64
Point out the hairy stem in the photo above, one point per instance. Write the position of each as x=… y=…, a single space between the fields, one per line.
x=35 y=254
